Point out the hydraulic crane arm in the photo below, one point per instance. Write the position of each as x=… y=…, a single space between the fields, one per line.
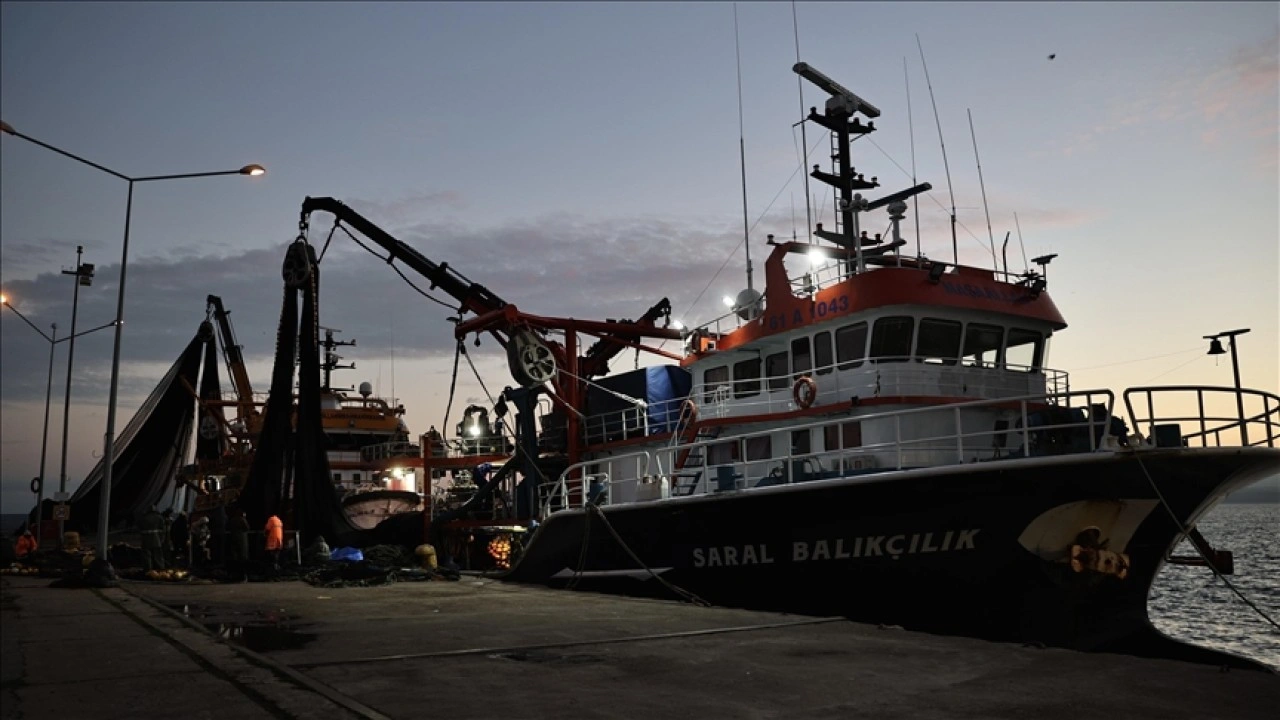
x=472 y=297
x=234 y=359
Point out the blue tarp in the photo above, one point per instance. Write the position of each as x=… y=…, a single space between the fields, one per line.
x=348 y=554
x=665 y=386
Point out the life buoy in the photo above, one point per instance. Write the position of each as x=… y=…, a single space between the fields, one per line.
x=689 y=411
x=804 y=392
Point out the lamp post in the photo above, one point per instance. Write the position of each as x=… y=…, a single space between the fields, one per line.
x=108 y=456
x=48 y=392
x=84 y=276
x=1215 y=348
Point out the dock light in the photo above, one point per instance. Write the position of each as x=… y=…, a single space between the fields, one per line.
x=728 y=301
x=817 y=257
x=677 y=325
x=253 y=170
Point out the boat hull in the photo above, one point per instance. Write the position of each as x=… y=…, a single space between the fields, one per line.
x=1060 y=550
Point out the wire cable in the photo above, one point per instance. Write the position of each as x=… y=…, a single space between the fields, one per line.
x=1209 y=563
x=389 y=260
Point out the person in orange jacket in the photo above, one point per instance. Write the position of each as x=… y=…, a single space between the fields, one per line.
x=275 y=539
x=26 y=544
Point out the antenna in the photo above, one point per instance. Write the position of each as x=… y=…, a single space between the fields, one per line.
x=991 y=237
x=955 y=250
x=804 y=139
x=1004 y=252
x=393 y=358
x=742 y=150
x=912 y=130
x=1025 y=266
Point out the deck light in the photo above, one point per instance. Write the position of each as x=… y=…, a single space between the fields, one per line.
x=935 y=272
x=728 y=301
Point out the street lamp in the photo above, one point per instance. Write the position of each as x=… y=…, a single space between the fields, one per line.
x=84 y=276
x=48 y=390
x=1215 y=348
x=109 y=454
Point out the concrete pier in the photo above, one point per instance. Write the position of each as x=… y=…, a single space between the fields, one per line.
x=483 y=649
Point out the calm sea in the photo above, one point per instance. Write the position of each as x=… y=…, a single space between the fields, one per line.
x=1188 y=603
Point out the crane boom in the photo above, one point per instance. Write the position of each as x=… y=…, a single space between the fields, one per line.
x=235 y=360
x=472 y=297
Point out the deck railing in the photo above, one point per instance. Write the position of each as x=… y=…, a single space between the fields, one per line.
x=837 y=382
x=1215 y=415
x=982 y=430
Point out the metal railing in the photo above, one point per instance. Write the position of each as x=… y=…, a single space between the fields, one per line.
x=976 y=431
x=869 y=378
x=1249 y=417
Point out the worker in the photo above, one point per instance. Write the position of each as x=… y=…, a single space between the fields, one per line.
x=26 y=544
x=152 y=528
x=238 y=547
x=275 y=540
x=200 y=541
x=179 y=536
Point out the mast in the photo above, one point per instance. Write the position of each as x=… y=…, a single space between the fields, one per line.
x=955 y=249
x=742 y=150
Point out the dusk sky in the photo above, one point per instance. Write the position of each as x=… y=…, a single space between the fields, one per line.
x=582 y=160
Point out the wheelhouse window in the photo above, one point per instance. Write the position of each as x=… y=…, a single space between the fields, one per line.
x=851 y=345
x=939 y=341
x=822 y=353
x=801 y=356
x=759 y=448
x=842 y=437
x=715 y=384
x=891 y=339
x=982 y=345
x=1025 y=350
x=724 y=453
x=775 y=368
x=746 y=378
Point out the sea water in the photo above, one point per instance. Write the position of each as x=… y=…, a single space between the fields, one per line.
x=1190 y=604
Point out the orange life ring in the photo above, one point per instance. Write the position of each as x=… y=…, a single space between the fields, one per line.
x=689 y=410
x=804 y=392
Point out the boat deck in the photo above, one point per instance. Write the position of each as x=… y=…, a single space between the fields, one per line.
x=480 y=648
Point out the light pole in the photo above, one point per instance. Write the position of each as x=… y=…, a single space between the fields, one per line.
x=84 y=276
x=1215 y=348
x=108 y=455
x=48 y=392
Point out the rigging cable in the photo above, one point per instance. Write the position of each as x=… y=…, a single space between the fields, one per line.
x=742 y=148
x=804 y=139
x=389 y=260
x=1182 y=529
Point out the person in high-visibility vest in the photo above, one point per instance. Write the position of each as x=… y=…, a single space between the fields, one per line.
x=275 y=539
x=26 y=544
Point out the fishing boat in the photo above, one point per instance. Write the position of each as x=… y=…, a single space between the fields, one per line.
x=875 y=434
x=376 y=467
x=881 y=435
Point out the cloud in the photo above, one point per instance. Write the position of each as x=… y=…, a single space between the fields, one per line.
x=1236 y=98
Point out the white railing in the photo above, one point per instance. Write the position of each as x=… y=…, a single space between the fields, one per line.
x=871 y=378
x=958 y=433
x=1217 y=416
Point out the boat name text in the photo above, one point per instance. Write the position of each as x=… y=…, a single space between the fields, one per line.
x=890 y=546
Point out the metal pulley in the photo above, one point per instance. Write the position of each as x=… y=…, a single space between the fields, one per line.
x=530 y=360
x=297 y=265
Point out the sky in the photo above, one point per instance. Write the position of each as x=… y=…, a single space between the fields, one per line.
x=582 y=160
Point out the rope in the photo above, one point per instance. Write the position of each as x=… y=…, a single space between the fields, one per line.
x=681 y=592
x=389 y=260
x=453 y=385
x=1182 y=529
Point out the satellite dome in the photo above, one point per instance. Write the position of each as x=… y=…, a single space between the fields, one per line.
x=747 y=304
x=366 y=389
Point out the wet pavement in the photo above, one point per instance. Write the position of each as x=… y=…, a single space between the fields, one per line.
x=483 y=649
